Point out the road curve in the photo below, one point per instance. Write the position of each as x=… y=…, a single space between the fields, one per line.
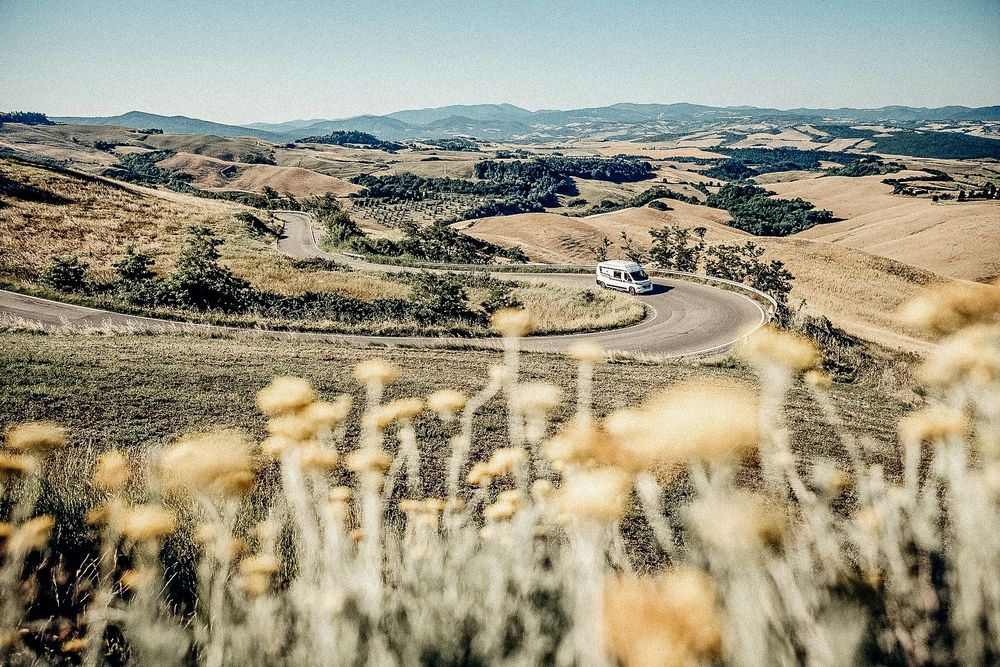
x=685 y=319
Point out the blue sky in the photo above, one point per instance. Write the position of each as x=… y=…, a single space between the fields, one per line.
x=243 y=61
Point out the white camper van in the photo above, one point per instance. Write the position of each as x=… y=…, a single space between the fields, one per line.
x=626 y=276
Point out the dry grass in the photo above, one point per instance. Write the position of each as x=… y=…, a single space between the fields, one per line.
x=949 y=238
x=208 y=174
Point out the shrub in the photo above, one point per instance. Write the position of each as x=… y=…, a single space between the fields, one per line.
x=439 y=297
x=134 y=267
x=199 y=281
x=66 y=274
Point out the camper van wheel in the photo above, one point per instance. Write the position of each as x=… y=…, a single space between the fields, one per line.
x=603 y=285
x=631 y=290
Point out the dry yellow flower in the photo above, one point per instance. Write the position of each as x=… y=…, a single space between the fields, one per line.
x=446 y=402
x=505 y=461
x=111 y=472
x=512 y=322
x=292 y=426
x=376 y=371
x=138 y=579
x=599 y=494
x=32 y=535
x=259 y=564
x=399 y=410
x=479 y=474
x=949 y=307
x=17 y=463
x=147 y=522
x=285 y=394
x=368 y=461
x=325 y=415
x=340 y=493
x=587 y=352
x=936 y=422
x=971 y=355
x=770 y=345
x=536 y=398
x=317 y=457
x=75 y=645
x=670 y=621
x=215 y=463
x=690 y=421
x=818 y=379
x=36 y=436
x=741 y=522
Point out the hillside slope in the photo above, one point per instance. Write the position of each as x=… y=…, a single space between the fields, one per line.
x=959 y=240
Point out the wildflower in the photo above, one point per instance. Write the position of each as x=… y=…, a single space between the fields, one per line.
x=512 y=322
x=399 y=410
x=317 y=457
x=829 y=479
x=215 y=463
x=16 y=463
x=971 y=355
x=950 y=307
x=587 y=352
x=818 y=379
x=341 y=493
x=536 y=398
x=600 y=494
x=376 y=371
x=325 y=415
x=147 y=522
x=259 y=564
x=293 y=427
x=687 y=422
x=368 y=461
x=937 y=422
x=75 y=645
x=32 y=535
x=740 y=522
x=578 y=442
x=285 y=394
x=541 y=489
x=111 y=472
x=138 y=579
x=499 y=374
x=507 y=505
x=6 y=530
x=220 y=543
x=480 y=474
x=446 y=402
x=672 y=620
x=772 y=346
x=36 y=436
x=868 y=520
x=276 y=445
x=506 y=460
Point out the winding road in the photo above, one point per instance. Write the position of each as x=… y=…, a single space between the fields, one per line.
x=686 y=319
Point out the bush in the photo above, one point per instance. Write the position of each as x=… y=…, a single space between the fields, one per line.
x=439 y=297
x=66 y=274
x=134 y=267
x=755 y=211
x=199 y=281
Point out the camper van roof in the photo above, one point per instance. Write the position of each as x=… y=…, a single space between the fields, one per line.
x=621 y=265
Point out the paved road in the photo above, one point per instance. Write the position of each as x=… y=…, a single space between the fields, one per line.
x=686 y=319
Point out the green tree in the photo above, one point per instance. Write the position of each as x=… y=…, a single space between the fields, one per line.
x=439 y=297
x=674 y=248
x=628 y=248
x=745 y=264
x=601 y=249
x=134 y=267
x=66 y=274
x=199 y=281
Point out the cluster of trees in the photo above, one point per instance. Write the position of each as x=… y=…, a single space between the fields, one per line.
x=454 y=144
x=942 y=145
x=519 y=186
x=432 y=243
x=352 y=138
x=25 y=117
x=755 y=211
x=258 y=158
x=988 y=191
x=905 y=186
x=744 y=163
x=867 y=166
x=199 y=282
x=678 y=249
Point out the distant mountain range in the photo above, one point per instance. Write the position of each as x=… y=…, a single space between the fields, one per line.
x=506 y=122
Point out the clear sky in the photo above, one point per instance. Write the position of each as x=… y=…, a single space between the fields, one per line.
x=244 y=60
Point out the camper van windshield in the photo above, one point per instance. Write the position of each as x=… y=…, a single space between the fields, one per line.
x=638 y=275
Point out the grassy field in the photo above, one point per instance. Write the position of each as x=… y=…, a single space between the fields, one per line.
x=163 y=386
x=97 y=220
